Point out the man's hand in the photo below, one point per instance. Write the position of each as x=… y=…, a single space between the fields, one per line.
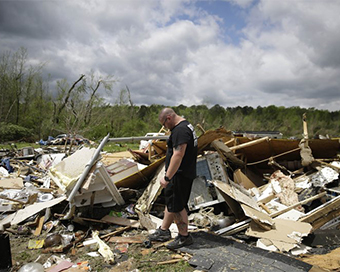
x=163 y=182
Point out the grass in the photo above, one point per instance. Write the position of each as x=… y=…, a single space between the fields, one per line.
x=108 y=147
x=116 y=147
x=18 y=145
x=149 y=262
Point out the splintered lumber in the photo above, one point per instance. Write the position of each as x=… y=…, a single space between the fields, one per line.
x=116 y=232
x=303 y=202
x=226 y=153
x=170 y=261
x=240 y=146
x=328 y=165
x=37 y=231
x=129 y=240
x=205 y=139
x=235 y=228
x=201 y=128
x=10 y=199
x=323 y=220
x=327 y=208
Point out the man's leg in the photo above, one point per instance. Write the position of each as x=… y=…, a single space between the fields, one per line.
x=181 y=220
x=168 y=219
x=184 y=238
x=163 y=233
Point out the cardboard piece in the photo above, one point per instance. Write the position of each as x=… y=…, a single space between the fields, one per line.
x=286 y=235
x=292 y=214
x=226 y=191
x=11 y=183
x=63 y=265
x=237 y=192
x=258 y=216
x=243 y=180
x=21 y=215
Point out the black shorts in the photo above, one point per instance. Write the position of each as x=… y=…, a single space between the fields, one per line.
x=177 y=193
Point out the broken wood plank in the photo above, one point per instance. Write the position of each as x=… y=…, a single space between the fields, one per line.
x=237 y=227
x=129 y=240
x=200 y=128
x=116 y=232
x=305 y=130
x=298 y=204
x=240 y=146
x=10 y=199
x=324 y=219
x=322 y=210
x=227 y=154
x=120 y=221
x=328 y=165
x=264 y=207
x=170 y=261
x=205 y=139
x=37 y=231
x=230 y=141
x=241 y=179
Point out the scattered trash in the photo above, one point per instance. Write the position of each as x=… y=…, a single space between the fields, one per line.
x=279 y=192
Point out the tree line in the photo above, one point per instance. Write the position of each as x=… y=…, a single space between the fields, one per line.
x=30 y=111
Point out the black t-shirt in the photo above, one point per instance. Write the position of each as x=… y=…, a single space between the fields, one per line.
x=183 y=133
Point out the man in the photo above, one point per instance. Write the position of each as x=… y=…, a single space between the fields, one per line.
x=180 y=171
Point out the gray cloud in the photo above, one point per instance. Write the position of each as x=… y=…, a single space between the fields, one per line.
x=171 y=52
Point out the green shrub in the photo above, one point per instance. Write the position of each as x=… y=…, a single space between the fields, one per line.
x=11 y=132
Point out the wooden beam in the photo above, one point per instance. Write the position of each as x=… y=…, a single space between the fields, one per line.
x=298 y=204
x=37 y=231
x=226 y=153
x=237 y=227
x=240 y=146
x=322 y=210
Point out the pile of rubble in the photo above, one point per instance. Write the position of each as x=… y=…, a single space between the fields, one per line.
x=278 y=194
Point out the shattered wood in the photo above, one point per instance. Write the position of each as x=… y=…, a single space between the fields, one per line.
x=278 y=191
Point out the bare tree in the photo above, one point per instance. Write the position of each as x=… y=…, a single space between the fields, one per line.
x=64 y=99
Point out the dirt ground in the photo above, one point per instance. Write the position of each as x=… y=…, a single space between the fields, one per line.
x=134 y=256
x=128 y=257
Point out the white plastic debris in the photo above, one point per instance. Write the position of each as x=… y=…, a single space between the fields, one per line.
x=324 y=176
x=104 y=249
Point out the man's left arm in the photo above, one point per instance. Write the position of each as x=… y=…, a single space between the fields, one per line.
x=175 y=162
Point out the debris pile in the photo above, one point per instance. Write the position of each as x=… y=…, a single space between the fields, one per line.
x=276 y=194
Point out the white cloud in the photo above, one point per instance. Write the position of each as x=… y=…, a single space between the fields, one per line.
x=171 y=52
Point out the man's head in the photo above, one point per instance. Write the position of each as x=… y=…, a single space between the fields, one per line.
x=168 y=118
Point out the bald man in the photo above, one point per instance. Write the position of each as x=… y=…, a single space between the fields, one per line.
x=180 y=167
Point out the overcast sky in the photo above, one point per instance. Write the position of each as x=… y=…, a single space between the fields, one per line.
x=231 y=53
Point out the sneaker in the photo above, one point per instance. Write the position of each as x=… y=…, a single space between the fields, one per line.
x=160 y=235
x=180 y=241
